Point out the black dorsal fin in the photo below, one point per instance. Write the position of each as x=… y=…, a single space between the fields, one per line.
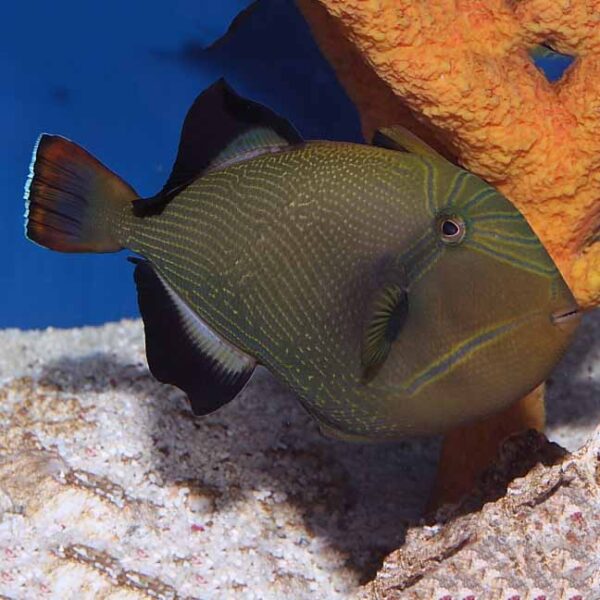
x=220 y=127
x=182 y=350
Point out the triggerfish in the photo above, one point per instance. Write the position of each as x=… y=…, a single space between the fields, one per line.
x=393 y=291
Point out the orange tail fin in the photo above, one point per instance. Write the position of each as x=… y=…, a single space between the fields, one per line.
x=72 y=201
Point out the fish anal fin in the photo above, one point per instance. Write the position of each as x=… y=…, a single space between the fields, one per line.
x=182 y=350
x=221 y=128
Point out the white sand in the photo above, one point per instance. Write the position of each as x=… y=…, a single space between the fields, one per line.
x=125 y=495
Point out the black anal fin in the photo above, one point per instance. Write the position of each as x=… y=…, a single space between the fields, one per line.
x=183 y=351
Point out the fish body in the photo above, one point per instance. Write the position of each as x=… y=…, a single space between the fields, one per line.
x=394 y=292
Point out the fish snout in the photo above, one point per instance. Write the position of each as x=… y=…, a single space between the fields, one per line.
x=567 y=318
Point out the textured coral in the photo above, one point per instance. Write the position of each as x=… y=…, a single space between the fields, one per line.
x=459 y=73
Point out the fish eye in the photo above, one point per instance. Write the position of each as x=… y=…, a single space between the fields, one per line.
x=451 y=229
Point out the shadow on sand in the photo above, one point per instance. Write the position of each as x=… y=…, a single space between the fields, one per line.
x=358 y=498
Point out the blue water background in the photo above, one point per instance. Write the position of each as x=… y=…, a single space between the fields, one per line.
x=118 y=78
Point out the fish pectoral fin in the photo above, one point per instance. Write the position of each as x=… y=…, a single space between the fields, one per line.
x=387 y=314
x=401 y=139
x=220 y=128
x=182 y=350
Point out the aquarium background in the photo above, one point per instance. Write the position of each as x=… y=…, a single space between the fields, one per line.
x=118 y=78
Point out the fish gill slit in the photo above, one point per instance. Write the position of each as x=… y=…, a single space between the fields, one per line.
x=424 y=264
x=424 y=239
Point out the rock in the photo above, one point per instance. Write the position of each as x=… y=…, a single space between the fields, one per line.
x=110 y=488
x=540 y=540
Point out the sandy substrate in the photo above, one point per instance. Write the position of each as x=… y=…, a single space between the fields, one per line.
x=123 y=494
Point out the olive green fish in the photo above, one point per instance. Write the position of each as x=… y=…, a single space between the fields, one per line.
x=394 y=292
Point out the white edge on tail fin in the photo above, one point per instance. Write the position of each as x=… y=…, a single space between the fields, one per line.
x=30 y=179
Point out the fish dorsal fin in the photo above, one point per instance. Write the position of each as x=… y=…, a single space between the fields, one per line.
x=400 y=138
x=386 y=314
x=221 y=128
x=221 y=125
x=182 y=350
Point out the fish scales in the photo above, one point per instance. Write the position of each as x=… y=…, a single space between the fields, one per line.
x=344 y=229
x=394 y=292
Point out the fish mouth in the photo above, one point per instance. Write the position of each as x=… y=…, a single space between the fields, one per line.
x=566 y=318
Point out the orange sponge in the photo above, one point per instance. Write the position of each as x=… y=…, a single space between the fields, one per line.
x=459 y=74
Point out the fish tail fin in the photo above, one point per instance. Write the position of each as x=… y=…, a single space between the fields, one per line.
x=73 y=203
